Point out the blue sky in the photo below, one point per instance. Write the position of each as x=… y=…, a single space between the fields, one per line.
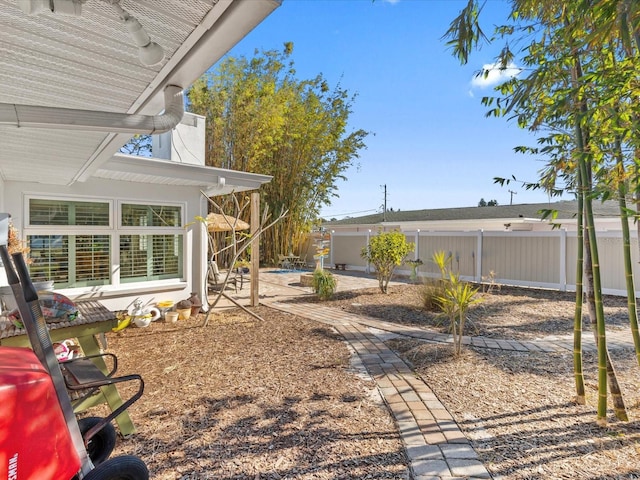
x=430 y=143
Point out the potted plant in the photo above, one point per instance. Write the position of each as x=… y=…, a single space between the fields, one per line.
x=183 y=307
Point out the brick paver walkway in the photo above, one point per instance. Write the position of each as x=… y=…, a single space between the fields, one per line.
x=436 y=447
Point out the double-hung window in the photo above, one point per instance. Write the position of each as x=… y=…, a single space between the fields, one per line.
x=103 y=242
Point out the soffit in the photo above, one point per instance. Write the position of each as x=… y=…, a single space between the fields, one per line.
x=212 y=181
x=89 y=62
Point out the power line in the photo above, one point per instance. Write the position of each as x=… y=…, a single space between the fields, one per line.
x=348 y=213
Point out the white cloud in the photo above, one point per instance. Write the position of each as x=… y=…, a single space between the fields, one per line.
x=492 y=75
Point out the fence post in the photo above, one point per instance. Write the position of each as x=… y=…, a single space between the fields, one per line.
x=368 y=268
x=479 y=258
x=563 y=260
x=331 y=262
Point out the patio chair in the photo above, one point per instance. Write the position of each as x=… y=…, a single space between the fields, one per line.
x=300 y=262
x=216 y=278
x=283 y=262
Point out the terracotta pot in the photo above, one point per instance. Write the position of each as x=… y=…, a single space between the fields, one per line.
x=183 y=313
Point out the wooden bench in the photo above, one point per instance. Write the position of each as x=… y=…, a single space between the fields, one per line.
x=341 y=266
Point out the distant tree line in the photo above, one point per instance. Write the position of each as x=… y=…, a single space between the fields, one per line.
x=490 y=203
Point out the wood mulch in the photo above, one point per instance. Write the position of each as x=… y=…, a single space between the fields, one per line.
x=278 y=398
x=249 y=399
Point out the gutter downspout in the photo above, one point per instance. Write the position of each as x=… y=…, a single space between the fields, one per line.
x=30 y=116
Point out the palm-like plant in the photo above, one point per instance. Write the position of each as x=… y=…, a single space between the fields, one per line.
x=456 y=298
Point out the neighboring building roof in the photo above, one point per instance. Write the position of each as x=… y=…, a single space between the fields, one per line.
x=565 y=209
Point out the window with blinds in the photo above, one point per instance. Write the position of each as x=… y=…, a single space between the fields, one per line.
x=62 y=212
x=70 y=260
x=49 y=258
x=150 y=257
x=151 y=215
x=148 y=240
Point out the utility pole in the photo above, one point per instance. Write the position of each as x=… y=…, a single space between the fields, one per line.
x=384 y=205
x=512 y=194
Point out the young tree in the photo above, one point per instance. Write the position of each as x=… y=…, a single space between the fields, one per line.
x=577 y=59
x=385 y=252
x=262 y=119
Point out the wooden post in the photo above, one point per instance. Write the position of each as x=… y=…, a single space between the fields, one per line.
x=255 y=249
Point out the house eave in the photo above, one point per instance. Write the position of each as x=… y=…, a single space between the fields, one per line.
x=213 y=38
x=211 y=180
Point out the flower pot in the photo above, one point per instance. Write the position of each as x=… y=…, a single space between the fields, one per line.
x=171 y=317
x=184 y=313
x=142 y=322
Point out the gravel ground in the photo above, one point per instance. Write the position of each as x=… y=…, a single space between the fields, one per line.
x=271 y=399
x=249 y=399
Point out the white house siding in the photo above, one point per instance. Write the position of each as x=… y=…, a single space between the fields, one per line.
x=15 y=195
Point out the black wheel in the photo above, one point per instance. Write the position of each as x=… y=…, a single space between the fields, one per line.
x=126 y=467
x=102 y=443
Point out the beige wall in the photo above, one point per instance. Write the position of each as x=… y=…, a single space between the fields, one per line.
x=536 y=259
x=346 y=249
x=518 y=257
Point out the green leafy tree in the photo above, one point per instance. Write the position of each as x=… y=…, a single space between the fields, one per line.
x=262 y=119
x=139 y=145
x=385 y=252
x=579 y=83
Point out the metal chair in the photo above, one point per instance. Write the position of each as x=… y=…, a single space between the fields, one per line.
x=217 y=280
x=283 y=261
x=300 y=262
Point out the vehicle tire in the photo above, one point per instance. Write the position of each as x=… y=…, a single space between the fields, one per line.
x=125 y=467
x=102 y=443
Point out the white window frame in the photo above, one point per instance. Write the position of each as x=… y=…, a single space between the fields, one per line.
x=114 y=230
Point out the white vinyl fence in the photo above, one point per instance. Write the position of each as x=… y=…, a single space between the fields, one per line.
x=524 y=258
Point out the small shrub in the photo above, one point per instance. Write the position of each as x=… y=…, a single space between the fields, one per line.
x=324 y=284
x=429 y=292
x=385 y=252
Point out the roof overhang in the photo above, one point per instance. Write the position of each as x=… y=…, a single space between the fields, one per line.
x=89 y=62
x=212 y=181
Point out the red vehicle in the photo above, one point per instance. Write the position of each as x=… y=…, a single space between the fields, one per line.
x=40 y=436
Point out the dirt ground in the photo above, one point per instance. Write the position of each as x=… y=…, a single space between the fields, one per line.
x=278 y=398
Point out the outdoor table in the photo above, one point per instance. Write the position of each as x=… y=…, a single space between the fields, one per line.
x=292 y=259
x=93 y=319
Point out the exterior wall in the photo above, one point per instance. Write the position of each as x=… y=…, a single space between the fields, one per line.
x=14 y=196
x=524 y=258
x=183 y=144
x=462 y=247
